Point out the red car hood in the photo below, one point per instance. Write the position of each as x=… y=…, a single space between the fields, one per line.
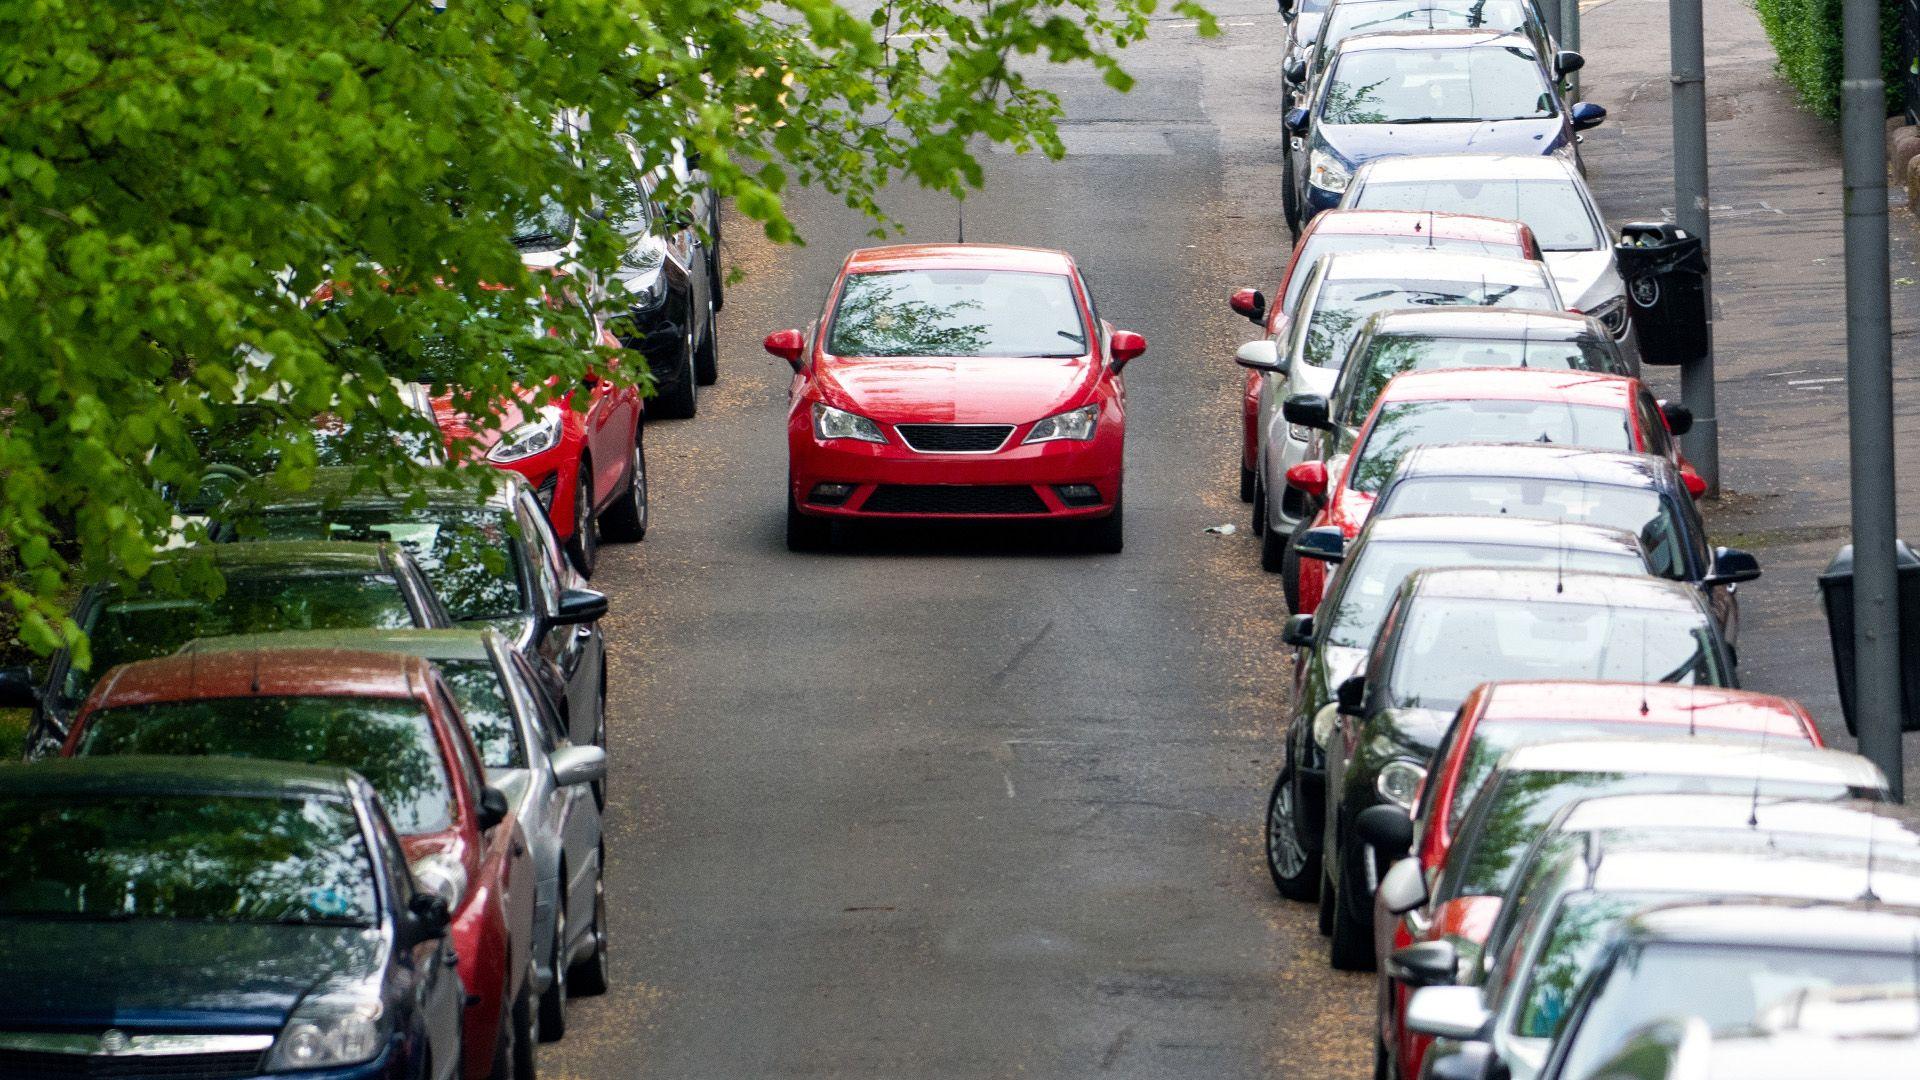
x=955 y=390
x=457 y=425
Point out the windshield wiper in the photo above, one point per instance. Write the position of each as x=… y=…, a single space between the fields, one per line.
x=534 y=239
x=1442 y=120
x=1048 y=356
x=1077 y=339
x=317 y=920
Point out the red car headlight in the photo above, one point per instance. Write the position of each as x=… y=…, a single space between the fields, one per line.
x=537 y=436
x=1076 y=425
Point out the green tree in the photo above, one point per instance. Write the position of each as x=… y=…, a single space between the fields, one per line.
x=179 y=180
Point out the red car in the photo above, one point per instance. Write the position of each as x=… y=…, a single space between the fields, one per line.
x=1360 y=230
x=392 y=719
x=1498 y=717
x=1477 y=405
x=956 y=382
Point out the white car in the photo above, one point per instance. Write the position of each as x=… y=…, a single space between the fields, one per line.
x=1546 y=192
x=1341 y=291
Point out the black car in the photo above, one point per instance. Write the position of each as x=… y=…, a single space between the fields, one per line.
x=493 y=563
x=284 y=585
x=1642 y=493
x=669 y=290
x=1446 y=632
x=206 y=917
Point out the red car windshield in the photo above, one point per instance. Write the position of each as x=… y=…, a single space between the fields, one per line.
x=1002 y=313
x=1400 y=426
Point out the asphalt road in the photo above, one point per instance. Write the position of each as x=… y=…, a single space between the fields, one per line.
x=963 y=805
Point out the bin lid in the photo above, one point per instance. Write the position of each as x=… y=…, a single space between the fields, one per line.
x=1841 y=568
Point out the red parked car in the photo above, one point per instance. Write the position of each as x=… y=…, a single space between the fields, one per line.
x=1498 y=717
x=392 y=719
x=1360 y=230
x=956 y=382
x=1476 y=405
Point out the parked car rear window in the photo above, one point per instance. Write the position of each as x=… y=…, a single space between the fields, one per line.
x=1331 y=243
x=467 y=555
x=483 y=704
x=1553 y=209
x=1641 y=511
x=1434 y=86
x=1343 y=304
x=958 y=313
x=1401 y=426
x=142 y=627
x=389 y=741
x=1348 y=19
x=1388 y=355
x=199 y=857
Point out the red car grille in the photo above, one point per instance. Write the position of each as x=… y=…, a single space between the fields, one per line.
x=954 y=438
x=954 y=499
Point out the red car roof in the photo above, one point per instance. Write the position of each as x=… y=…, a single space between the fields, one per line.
x=1512 y=384
x=1704 y=707
x=965 y=256
x=261 y=673
x=1411 y=222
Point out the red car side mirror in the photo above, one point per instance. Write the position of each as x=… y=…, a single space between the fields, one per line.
x=1249 y=302
x=1125 y=345
x=1308 y=476
x=788 y=345
x=1696 y=484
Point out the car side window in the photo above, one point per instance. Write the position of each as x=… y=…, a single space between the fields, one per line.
x=527 y=696
x=1380 y=655
x=466 y=759
x=1086 y=286
x=553 y=728
x=1653 y=425
x=544 y=565
x=393 y=858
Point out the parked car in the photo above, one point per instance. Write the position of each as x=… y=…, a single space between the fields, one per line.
x=528 y=756
x=1424 y=408
x=1434 y=92
x=1866 y=1033
x=1333 y=644
x=1499 y=717
x=1641 y=493
x=1340 y=292
x=493 y=561
x=1351 y=18
x=1303 y=24
x=392 y=720
x=1601 y=860
x=1547 y=192
x=285 y=585
x=1342 y=231
x=956 y=382
x=1446 y=632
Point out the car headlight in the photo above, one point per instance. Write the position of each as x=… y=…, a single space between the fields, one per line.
x=1613 y=316
x=328 y=1031
x=832 y=423
x=1325 y=172
x=443 y=876
x=1076 y=425
x=1323 y=722
x=1399 y=783
x=537 y=436
x=647 y=291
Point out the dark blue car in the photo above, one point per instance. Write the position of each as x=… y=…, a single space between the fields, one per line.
x=215 y=919
x=1434 y=92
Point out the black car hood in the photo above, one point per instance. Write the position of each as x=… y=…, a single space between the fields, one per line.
x=173 y=974
x=1408 y=732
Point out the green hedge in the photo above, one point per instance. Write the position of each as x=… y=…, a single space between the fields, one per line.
x=1806 y=37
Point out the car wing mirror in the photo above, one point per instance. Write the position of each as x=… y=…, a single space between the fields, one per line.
x=574 y=765
x=1679 y=418
x=579 y=606
x=1309 y=477
x=788 y=345
x=1262 y=355
x=428 y=918
x=1308 y=410
x=1296 y=120
x=493 y=808
x=1387 y=827
x=1249 y=302
x=1404 y=887
x=1426 y=963
x=1695 y=484
x=18 y=690
x=1566 y=62
x=1731 y=565
x=1351 y=696
x=1298 y=632
x=1586 y=116
x=1123 y=346
x=1323 y=542
x=1449 y=1012
x=1295 y=73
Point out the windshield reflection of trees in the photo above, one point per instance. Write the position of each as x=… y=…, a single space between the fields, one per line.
x=390 y=742
x=871 y=320
x=463 y=553
x=476 y=687
x=199 y=857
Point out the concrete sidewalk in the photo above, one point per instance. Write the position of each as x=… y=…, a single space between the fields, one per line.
x=1779 y=316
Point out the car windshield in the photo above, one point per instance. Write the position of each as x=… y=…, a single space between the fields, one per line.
x=466 y=554
x=1434 y=86
x=1566 y=957
x=1556 y=210
x=1736 y=990
x=483 y=704
x=1393 y=354
x=1642 y=511
x=214 y=858
x=958 y=313
x=1368 y=582
x=387 y=740
x=1331 y=243
x=1348 y=19
x=1450 y=645
x=143 y=626
x=1400 y=426
x=244 y=445
x=547 y=227
x=1342 y=304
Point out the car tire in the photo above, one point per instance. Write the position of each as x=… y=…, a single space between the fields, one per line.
x=1274 y=549
x=1259 y=507
x=526 y=1033
x=805 y=532
x=1326 y=907
x=1290 y=569
x=589 y=974
x=1351 y=944
x=1108 y=535
x=716 y=275
x=1295 y=873
x=583 y=547
x=1289 y=197
x=1382 y=1061
x=678 y=393
x=626 y=519
x=553 y=1001
x=706 y=358
x=1247 y=482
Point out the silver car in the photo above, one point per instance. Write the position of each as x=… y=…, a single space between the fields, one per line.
x=523 y=744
